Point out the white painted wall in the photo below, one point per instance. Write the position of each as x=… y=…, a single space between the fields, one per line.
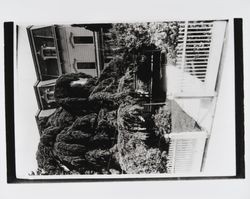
x=221 y=148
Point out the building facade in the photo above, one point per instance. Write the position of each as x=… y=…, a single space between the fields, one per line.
x=61 y=49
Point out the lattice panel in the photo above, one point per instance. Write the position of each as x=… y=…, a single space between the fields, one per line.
x=186 y=152
x=194 y=48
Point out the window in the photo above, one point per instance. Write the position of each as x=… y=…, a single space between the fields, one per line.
x=48 y=52
x=85 y=65
x=83 y=40
x=45 y=50
x=50 y=95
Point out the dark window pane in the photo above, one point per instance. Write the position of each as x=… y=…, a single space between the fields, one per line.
x=45 y=32
x=85 y=65
x=48 y=68
x=83 y=40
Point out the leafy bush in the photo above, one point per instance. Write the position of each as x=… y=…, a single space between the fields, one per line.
x=105 y=95
x=42 y=123
x=45 y=157
x=135 y=156
x=74 y=98
x=85 y=123
x=127 y=82
x=64 y=89
x=60 y=118
x=107 y=85
x=73 y=136
x=69 y=149
x=115 y=69
x=141 y=161
x=73 y=144
x=49 y=135
x=162 y=119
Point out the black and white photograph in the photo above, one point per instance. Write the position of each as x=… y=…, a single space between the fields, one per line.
x=124 y=100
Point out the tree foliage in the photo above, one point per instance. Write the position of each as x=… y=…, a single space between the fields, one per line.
x=135 y=38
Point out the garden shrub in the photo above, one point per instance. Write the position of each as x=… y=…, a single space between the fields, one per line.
x=115 y=68
x=60 y=118
x=162 y=119
x=74 y=98
x=85 y=123
x=45 y=157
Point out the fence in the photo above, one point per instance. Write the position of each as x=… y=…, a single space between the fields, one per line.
x=186 y=151
x=192 y=81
